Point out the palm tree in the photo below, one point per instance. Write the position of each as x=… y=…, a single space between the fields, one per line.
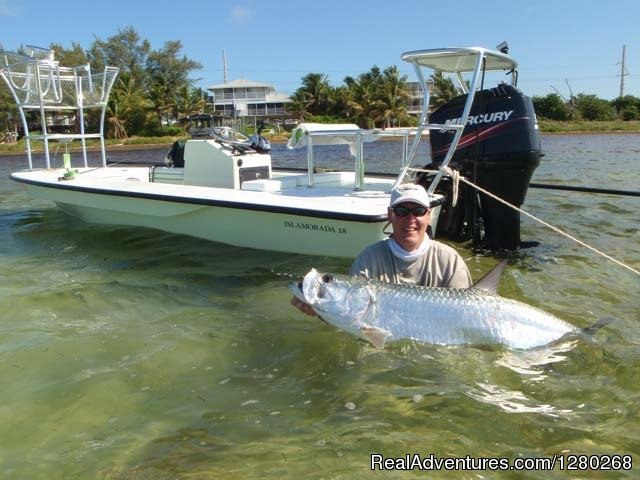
x=362 y=102
x=392 y=97
x=116 y=127
x=299 y=106
x=317 y=88
x=338 y=101
x=128 y=106
x=444 y=89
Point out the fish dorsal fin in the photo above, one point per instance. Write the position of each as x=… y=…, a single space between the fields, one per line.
x=491 y=280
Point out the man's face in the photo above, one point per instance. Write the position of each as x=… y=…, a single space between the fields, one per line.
x=408 y=230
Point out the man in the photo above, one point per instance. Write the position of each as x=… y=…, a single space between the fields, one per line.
x=408 y=255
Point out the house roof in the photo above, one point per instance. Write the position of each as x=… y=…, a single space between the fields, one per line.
x=279 y=97
x=241 y=83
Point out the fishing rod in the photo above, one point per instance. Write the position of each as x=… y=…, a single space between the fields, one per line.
x=609 y=191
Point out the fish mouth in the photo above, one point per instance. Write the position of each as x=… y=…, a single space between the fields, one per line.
x=310 y=289
x=296 y=289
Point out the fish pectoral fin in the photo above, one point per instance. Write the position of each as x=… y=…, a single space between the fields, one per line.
x=374 y=335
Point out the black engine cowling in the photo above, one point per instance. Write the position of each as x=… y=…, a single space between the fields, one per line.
x=499 y=150
x=175 y=156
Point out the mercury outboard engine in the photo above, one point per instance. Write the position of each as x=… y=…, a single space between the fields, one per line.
x=175 y=156
x=499 y=150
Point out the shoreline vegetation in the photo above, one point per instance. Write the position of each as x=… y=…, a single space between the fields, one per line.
x=545 y=126
x=155 y=92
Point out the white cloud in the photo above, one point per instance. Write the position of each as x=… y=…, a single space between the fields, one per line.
x=240 y=14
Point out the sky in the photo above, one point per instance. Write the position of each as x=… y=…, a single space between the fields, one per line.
x=558 y=44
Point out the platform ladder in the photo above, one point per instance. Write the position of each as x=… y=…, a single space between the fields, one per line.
x=40 y=85
x=476 y=67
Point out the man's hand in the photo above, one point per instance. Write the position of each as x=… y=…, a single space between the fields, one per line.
x=303 y=307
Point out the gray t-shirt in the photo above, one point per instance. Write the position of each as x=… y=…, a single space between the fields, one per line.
x=440 y=266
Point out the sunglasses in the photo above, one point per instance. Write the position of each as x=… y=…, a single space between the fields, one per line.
x=404 y=211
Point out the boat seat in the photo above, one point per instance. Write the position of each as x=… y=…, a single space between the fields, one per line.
x=270 y=184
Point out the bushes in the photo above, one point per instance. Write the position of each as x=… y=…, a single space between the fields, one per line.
x=587 y=107
x=552 y=107
x=162 y=131
x=584 y=126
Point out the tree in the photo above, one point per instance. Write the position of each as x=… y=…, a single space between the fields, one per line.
x=128 y=107
x=70 y=57
x=125 y=50
x=300 y=103
x=168 y=75
x=444 y=90
x=197 y=101
x=128 y=104
x=627 y=107
x=551 y=107
x=339 y=96
x=362 y=103
x=590 y=107
x=630 y=113
x=392 y=97
x=317 y=89
x=9 y=117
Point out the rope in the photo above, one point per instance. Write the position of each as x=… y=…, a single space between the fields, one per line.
x=548 y=225
x=456 y=178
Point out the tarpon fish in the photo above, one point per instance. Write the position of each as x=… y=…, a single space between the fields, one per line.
x=380 y=312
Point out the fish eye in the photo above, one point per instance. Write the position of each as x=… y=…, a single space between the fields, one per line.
x=300 y=285
x=327 y=278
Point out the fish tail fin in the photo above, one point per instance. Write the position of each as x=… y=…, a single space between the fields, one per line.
x=593 y=329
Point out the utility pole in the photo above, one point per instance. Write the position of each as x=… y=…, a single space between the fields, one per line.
x=224 y=65
x=623 y=70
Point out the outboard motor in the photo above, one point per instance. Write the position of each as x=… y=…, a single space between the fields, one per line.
x=258 y=142
x=175 y=156
x=499 y=150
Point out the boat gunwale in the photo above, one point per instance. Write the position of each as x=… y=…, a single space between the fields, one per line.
x=301 y=212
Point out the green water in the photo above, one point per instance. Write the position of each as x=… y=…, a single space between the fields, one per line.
x=134 y=354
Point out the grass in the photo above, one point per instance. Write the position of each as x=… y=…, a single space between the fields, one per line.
x=19 y=147
x=581 y=126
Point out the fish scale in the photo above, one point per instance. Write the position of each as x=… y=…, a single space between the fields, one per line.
x=453 y=316
x=381 y=312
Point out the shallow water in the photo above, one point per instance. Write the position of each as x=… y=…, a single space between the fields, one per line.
x=128 y=353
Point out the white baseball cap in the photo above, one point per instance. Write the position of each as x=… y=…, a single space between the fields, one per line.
x=410 y=192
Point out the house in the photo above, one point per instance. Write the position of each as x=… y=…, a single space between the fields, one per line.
x=246 y=98
x=416 y=97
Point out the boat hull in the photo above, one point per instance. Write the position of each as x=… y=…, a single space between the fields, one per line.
x=237 y=225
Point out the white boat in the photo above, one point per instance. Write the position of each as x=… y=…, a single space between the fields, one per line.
x=219 y=188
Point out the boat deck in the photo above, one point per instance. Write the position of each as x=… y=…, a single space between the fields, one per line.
x=332 y=192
